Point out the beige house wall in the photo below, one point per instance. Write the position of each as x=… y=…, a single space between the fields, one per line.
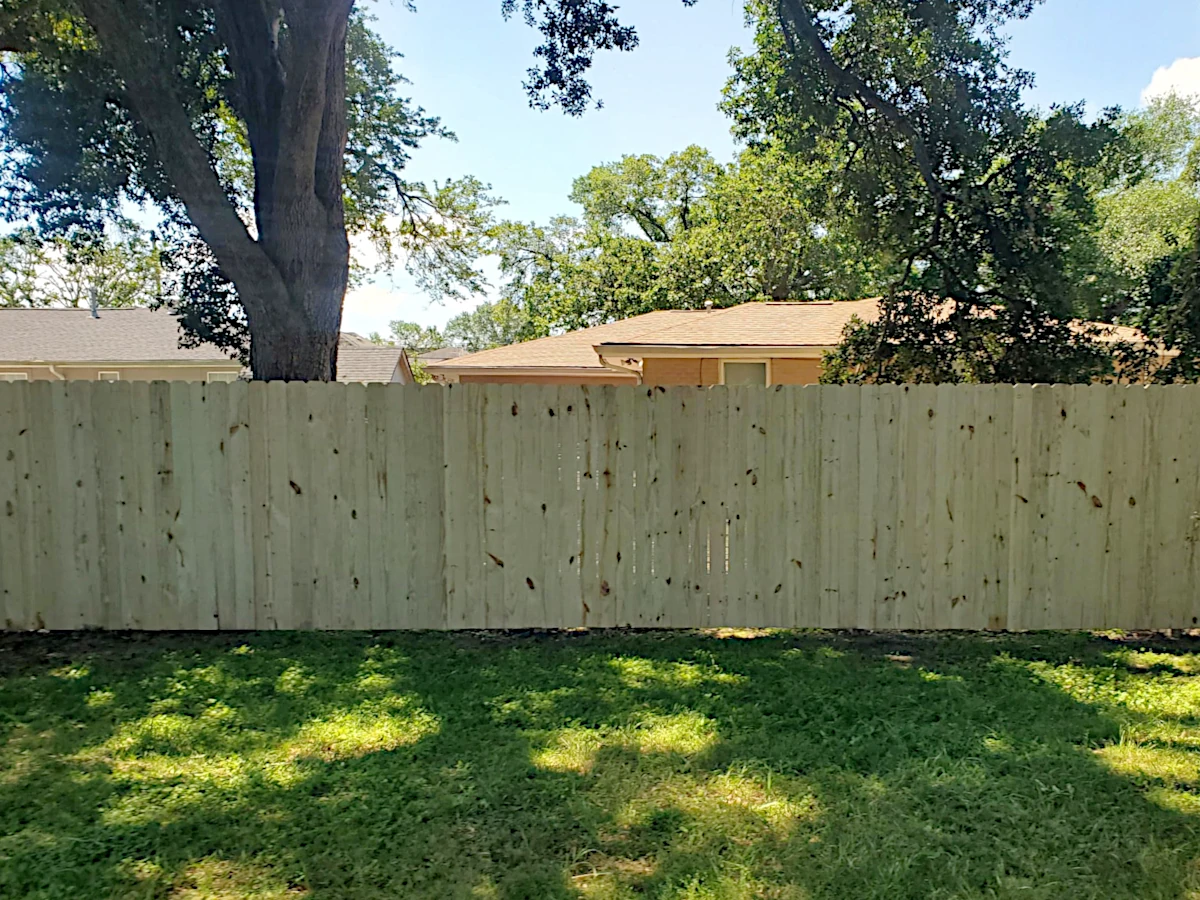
x=126 y=372
x=705 y=370
x=31 y=373
x=668 y=371
x=795 y=371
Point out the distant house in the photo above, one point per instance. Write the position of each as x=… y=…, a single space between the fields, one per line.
x=434 y=357
x=373 y=364
x=143 y=345
x=754 y=343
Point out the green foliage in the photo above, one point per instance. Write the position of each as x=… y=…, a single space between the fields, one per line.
x=75 y=157
x=1151 y=207
x=413 y=337
x=678 y=232
x=1167 y=307
x=615 y=766
x=201 y=297
x=120 y=269
x=1148 y=221
x=932 y=161
x=922 y=339
x=488 y=325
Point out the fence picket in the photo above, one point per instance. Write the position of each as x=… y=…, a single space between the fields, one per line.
x=190 y=506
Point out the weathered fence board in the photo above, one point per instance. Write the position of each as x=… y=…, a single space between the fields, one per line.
x=190 y=506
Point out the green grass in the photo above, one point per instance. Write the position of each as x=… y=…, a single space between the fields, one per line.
x=599 y=766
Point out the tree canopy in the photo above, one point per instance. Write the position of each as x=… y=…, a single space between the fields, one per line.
x=681 y=231
x=981 y=201
x=888 y=151
x=263 y=132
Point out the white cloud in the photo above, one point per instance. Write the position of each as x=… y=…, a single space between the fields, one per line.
x=1180 y=77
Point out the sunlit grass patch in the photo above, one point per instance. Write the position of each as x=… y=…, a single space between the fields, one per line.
x=636 y=672
x=1175 y=768
x=713 y=766
x=370 y=728
x=222 y=879
x=683 y=734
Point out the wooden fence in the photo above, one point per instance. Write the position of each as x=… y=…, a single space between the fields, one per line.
x=191 y=506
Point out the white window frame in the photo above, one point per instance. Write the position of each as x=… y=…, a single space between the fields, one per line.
x=14 y=376
x=221 y=377
x=747 y=359
x=108 y=375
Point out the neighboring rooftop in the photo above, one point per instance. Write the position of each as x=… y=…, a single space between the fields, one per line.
x=354 y=339
x=573 y=350
x=357 y=363
x=140 y=335
x=116 y=335
x=442 y=353
x=802 y=326
x=772 y=324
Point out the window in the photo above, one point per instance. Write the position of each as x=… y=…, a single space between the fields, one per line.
x=743 y=373
x=226 y=377
x=108 y=376
x=13 y=376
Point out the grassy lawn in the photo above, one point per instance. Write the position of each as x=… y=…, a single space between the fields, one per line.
x=599 y=766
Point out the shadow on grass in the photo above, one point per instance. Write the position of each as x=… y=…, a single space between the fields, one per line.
x=602 y=765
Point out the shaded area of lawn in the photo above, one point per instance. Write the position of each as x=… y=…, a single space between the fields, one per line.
x=599 y=765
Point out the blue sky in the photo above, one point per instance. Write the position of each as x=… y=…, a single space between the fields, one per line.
x=466 y=65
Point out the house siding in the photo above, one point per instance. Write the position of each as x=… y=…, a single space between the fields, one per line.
x=704 y=371
x=795 y=371
x=128 y=373
x=678 y=371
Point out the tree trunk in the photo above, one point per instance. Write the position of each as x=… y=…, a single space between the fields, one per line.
x=278 y=355
x=291 y=278
x=294 y=337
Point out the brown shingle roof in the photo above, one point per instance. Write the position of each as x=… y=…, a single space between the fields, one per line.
x=798 y=324
x=118 y=335
x=430 y=356
x=572 y=350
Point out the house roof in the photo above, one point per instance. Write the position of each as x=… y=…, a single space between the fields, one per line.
x=441 y=353
x=371 y=363
x=804 y=326
x=774 y=324
x=117 y=335
x=354 y=339
x=140 y=335
x=573 y=350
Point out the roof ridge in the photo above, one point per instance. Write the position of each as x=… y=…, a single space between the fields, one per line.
x=583 y=335
x=707 y=313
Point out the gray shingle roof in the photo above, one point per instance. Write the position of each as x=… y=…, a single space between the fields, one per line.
x=367 y=363
x=118 y=335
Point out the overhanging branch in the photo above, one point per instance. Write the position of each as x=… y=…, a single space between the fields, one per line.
x=797 y=18
x=147 y=88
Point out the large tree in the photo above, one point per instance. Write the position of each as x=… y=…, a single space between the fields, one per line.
x=681 y=231
x=107 y=101
x=987 y=205
x=1149 y=230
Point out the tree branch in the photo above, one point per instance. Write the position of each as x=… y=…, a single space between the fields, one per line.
x=251 y=32
x=847 y=84
x=313 y=27
x=148 y=90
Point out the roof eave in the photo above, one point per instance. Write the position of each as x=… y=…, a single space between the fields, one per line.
x=519 y=370
x=122 y=363
x=643 y=351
